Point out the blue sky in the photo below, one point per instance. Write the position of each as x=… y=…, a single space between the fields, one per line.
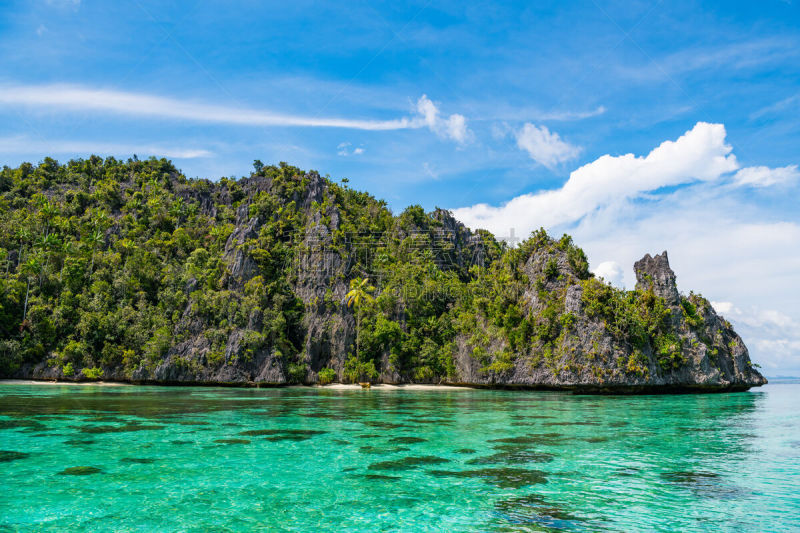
x=513 y=115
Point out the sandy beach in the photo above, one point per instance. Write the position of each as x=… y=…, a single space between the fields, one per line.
x=384 y=386
x=334 y=386
x=44 y=382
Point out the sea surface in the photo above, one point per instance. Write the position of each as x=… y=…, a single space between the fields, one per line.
x=91 y=458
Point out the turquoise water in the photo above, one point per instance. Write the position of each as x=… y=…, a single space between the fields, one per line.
x=301 y=459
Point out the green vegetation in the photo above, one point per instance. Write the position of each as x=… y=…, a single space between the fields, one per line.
x=107 y=266
x=326 y=376
x=638 y=317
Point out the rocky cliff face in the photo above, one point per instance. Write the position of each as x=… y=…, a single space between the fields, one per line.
x=696 y=351
x=529 y=317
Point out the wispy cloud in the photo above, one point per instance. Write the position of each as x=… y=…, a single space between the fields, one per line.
x=66 y=98
x=564 y=116
x=346 y=149
x=507 y=114
x=734 y=56
x=23 y=145
x=429 y=171
x=777 y=107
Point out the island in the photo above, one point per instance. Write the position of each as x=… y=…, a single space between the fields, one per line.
x=130 y=271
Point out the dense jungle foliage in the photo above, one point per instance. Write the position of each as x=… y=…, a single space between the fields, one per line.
x=108 y=264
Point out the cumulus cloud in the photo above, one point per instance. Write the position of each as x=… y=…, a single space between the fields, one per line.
x=610 y=271
x=543 y=146
x=765 y=176
x=70 y=98
x=723 y=308
x=453 y=127
x=699 y=154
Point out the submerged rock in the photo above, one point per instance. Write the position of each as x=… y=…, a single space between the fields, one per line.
x=507 y=478
x=408 y=463
x=80 y=471
x=7 y=456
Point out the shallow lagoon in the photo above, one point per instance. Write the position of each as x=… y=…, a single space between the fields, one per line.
x=308 y=459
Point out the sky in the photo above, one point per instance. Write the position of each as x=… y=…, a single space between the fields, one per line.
x=635 y=126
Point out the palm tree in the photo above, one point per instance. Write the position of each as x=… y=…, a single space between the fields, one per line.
x=67 y=249
x=48 y=212
x=23 y=236
x=360 y=290
x=31 y=268
x=96 y=238
x=177 y=210
x=46 y=243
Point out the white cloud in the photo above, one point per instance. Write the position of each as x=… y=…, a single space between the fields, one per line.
x=570 y=115
x=65 y=98
x=700 y=154
x=492 y=110
x=723 y=308
x=543 y=146
x=610 y=271
x=765 y=176
x=344 y=149
x=453 y=127
x=26 y=146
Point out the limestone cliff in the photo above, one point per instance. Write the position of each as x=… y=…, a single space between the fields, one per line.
x=450 y=305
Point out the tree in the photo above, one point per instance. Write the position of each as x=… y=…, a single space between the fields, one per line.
x=177 y=210
x=359 y=293
x=23 y=236
x=67 y=249
x=48 y=244
x=96 y=238
x=47 y=212
x=30 y=268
